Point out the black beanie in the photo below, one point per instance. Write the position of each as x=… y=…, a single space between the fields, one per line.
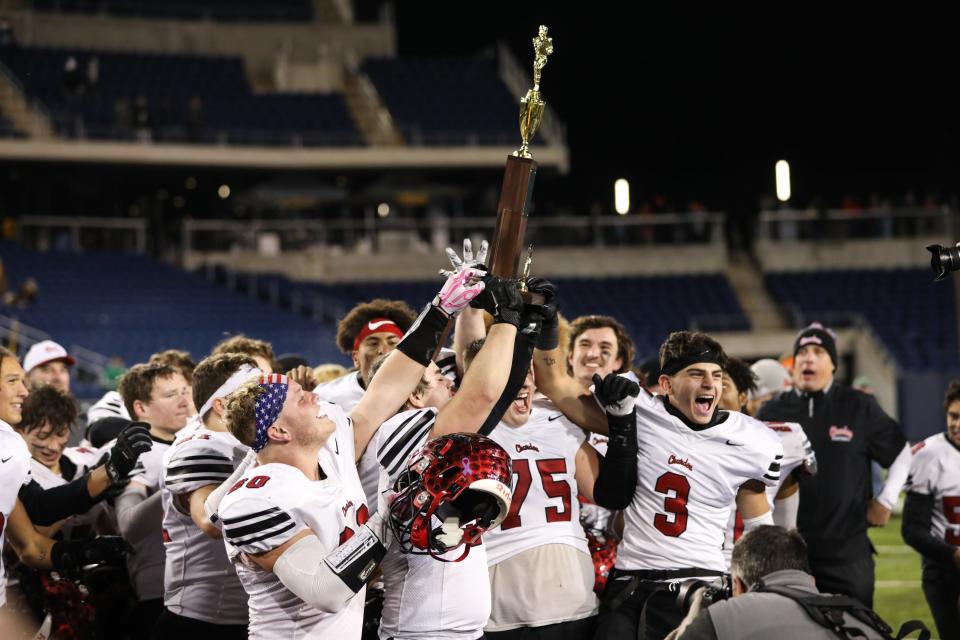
x=817 y=334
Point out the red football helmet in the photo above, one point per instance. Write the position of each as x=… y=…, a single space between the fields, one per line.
x=453 y=489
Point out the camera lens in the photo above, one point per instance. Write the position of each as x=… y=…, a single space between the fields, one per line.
x=685 y=593
x=943 y=260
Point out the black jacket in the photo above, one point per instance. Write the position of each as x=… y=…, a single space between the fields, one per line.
x=847 y=429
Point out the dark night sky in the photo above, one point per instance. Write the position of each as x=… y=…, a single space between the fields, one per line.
x=701 y=105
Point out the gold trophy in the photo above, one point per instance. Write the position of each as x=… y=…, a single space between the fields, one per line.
x=517 y=189
x=531 y=105
x=518 y=178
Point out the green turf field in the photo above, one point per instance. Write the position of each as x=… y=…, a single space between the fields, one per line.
x=898 y=596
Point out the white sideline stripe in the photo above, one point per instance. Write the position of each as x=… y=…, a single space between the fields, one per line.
x=895 y=584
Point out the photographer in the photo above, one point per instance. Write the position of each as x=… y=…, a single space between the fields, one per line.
x=765 y=560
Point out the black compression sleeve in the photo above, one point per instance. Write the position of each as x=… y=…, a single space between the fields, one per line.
x=46 y=506
x=617 y=479
x=420 y=341
x=519 y=366
x=917 y=516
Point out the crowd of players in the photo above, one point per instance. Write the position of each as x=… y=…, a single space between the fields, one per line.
x=441 y=493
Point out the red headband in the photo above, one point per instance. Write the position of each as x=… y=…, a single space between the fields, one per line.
x=377 y=325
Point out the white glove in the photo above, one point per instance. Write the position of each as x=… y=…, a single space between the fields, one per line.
x=460 y=288
x=468 y=262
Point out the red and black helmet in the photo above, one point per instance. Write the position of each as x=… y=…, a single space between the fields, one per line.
x=453 y=489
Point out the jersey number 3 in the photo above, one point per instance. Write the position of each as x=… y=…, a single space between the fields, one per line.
x=553 y=489
x=677 y=504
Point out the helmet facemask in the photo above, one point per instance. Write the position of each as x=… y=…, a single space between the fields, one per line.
x=445 y=499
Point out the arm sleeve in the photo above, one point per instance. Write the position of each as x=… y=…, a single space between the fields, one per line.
x=896 y=478
x=617 y=478
x=785 y=511
x=886 y=437
x=917 y=517
x=139 y=516
x=46 y=506
x=519 y=366
x=325 y=579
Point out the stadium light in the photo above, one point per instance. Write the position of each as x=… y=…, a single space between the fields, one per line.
x=782 y=170
x=621 y=196
x=383 y=209
x=224 y=191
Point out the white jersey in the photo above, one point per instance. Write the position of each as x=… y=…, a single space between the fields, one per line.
x=74 y=463
x=425 y=598
x=346 y=391
x=798 y=455
x=545 y=508
x=935 y=472
x=145 y=565
x=199 y=581
x=687 y=481
x=265 y=509
x=14 y=473
x=109 y=406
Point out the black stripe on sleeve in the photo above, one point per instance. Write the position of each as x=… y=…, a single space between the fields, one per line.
x=184 y=469
x=400 y=430
x=269 y=534
x=426 y=419
x=417 y=438
x=249 y=516
x=215 y=478
x=257 y=527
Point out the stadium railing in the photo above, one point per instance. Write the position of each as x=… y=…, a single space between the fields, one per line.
x=80 y=233
x=806 y=225
x=372 y=232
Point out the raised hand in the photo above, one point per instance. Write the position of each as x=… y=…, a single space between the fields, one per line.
x=459 y=290
x=618 y=394
x=133 y=441
x=501 y=299
x=468 y=261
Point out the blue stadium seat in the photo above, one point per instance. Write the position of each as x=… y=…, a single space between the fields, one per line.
x=132 y=306
x=446 y=100
x=227 y=111
x=913 y=316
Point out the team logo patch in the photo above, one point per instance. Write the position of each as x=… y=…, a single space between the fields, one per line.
x=683 y=462
x=841 y=434
x=810 y=340
x=527 y=447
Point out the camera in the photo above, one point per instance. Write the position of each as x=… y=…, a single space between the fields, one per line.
x=715 y=591
x=943 y=259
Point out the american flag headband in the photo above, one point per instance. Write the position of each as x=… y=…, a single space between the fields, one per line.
x=269 y=404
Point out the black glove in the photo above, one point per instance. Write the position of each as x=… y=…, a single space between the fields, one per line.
x=501 y=299
x=547 y=312
x=132 y=441
x=618 y=394
x=71 y=556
